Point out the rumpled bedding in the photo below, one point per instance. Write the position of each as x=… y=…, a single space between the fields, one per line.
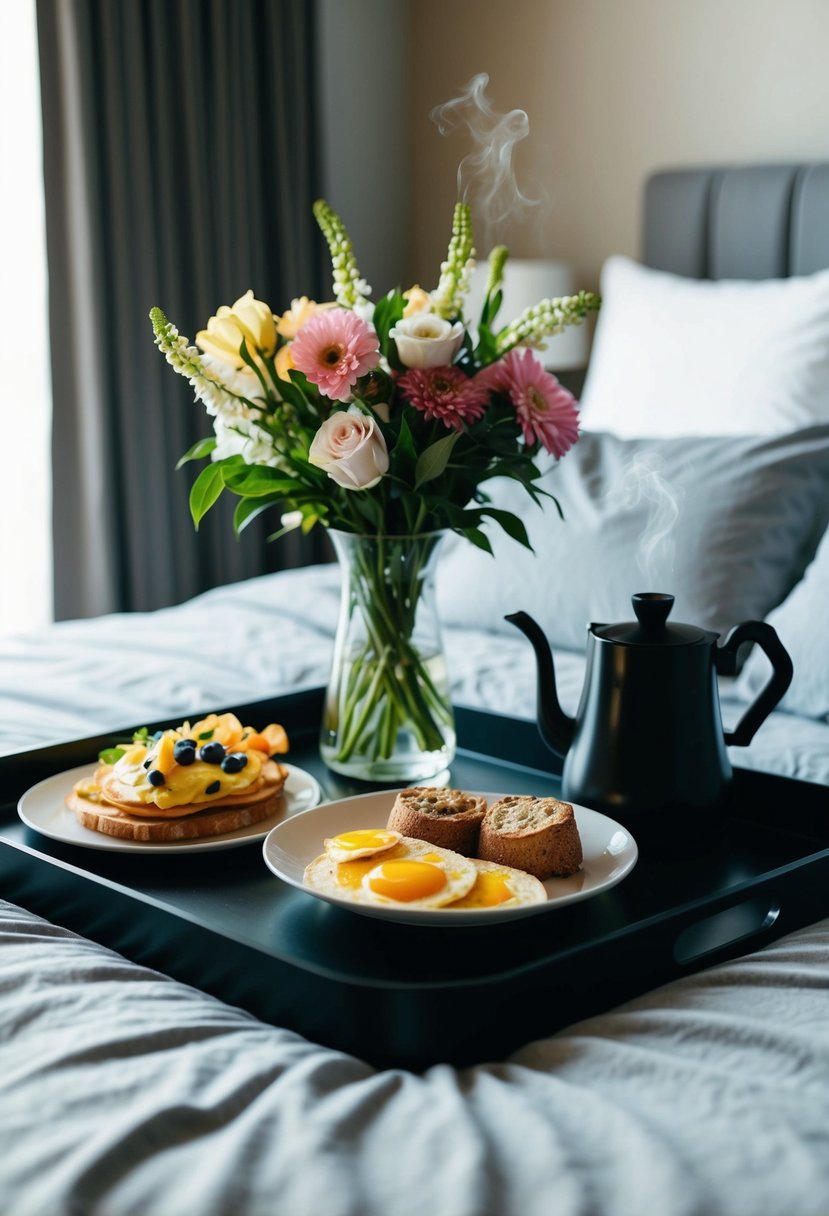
x=123 y=1093
x=272 y=635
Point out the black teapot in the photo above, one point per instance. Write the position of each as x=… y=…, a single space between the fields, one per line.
x=648 y=737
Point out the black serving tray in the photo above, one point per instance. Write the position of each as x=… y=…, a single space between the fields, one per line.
x=399 y=995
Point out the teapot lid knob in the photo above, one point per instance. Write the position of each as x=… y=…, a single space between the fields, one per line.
x=652 y=609
x=651 y=627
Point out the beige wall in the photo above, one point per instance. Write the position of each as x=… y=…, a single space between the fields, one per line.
x=613 y=89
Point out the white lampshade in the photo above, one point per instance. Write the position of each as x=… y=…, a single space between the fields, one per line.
x=527 y=281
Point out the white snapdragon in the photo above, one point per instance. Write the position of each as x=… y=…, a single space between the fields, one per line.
x=544 y=319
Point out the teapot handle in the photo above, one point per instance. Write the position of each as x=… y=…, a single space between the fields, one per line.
x=726 y=663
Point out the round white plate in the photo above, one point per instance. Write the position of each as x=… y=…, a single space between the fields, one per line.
x=610 y=853
x=42 y=808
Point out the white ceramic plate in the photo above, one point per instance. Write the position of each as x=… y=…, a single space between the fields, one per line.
x=610 y=853
x=42 y=808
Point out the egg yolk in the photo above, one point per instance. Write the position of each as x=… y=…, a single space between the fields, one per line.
x=405 y=881
x=364 y=839
x=490 y=889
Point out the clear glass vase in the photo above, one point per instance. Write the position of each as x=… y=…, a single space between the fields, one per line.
x=388 y=715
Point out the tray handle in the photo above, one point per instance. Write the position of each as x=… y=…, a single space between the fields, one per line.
x=749 y=921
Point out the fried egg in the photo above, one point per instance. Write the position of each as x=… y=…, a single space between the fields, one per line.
x=365 y=842
x=412 y=874
x=498 y=886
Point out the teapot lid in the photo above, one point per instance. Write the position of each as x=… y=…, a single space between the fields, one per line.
x=651 y=626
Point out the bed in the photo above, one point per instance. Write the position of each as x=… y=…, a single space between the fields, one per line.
x=124 y=1091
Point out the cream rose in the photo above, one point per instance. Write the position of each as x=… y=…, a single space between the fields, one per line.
x=426 y=340
x=350 y=447
x=249 y=319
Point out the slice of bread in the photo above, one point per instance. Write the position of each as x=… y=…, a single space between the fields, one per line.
x=538 y=835
x=101 y=817
x=450 y=819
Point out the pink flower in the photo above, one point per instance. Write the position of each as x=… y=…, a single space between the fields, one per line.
x=546 y=411
x=445 y=393
x=334 y=349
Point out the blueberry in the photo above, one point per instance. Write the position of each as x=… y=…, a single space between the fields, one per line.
x=155 y=776
x=212 y=753
x=155 y=738
x=184 y=751
x=214 y=787
x=234 y=762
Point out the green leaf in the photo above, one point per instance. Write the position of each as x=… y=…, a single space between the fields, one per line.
x=205 y=490
x=511 y=524
x=492 y=306
x=206 y=734
x=478 y=538
x=247 y=509
x=111 y=755
x=253 y=365
x=200 y=449
x=387 y=312
x=141 y=735
x=252 y=481
x=434 y=459
x=404 y=452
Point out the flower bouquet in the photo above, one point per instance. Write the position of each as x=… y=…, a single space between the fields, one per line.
x=382 y=422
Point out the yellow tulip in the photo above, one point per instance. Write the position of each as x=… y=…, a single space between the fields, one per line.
x=284 y=362
x=417 y=300
x=301 y=310
x=248 y=319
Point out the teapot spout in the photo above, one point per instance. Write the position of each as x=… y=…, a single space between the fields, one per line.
x=554 y=725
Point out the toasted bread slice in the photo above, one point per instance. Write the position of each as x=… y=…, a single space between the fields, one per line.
x=450 y=819
x=539 y=835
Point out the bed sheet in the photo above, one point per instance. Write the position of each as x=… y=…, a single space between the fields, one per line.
x=123 y=1092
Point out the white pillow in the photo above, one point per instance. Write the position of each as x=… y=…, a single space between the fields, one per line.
x=802 y=621
x=675 y=356
x=725 y=523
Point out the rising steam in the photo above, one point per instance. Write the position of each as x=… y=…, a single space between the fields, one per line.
x=642 y=482
x=486 y=178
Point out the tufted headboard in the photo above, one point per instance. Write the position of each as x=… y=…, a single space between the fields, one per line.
x=753 y=222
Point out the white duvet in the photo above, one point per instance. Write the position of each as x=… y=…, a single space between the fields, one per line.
x=123 y=1093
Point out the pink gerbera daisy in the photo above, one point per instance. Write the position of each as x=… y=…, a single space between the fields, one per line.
x=546 y=411
x=334 y=349
x=444 y=393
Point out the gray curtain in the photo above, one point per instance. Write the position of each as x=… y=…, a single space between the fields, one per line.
x=180 y=161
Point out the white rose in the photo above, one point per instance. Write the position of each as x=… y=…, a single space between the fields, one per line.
x=426 y=340
x=351 y=449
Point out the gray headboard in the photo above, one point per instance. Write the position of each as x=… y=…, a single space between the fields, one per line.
x=754 y=222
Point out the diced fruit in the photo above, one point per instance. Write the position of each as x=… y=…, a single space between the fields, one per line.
x=234 y=762
x=212 y=753
x=276 y=737
x=229 y=731
x=165 y=754
x=257 y=743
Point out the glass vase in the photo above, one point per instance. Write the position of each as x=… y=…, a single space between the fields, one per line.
x=388 y=715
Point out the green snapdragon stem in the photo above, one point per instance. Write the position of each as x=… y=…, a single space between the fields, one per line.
x=387 y=685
